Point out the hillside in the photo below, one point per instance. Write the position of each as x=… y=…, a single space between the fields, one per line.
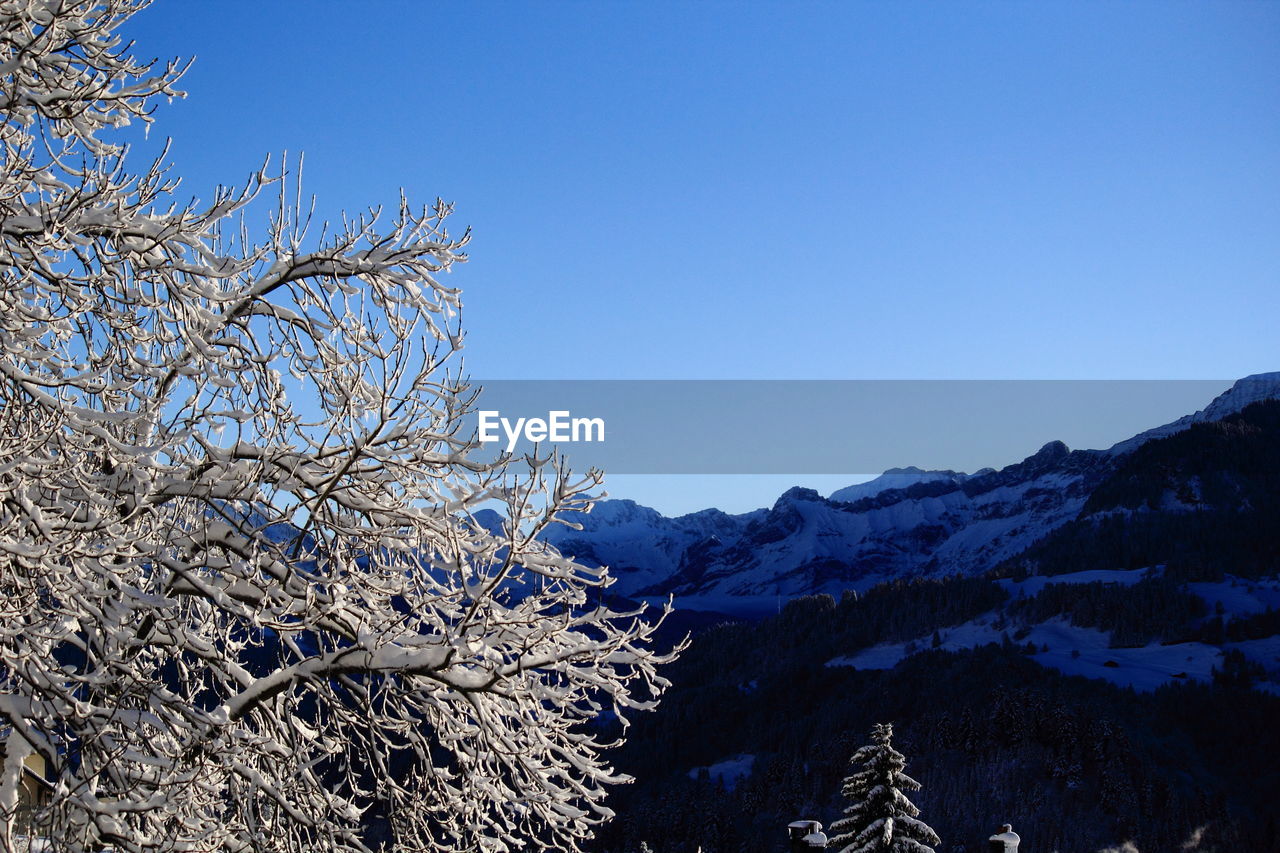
x=982 y=680
x=1085 y=644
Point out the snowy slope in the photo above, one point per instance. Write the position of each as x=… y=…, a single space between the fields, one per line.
x=895 y=478
x=1070 y=649
x=1240 y=597
x=1250 y=389
x=728 y=772
x=640 y=545
x=1087 y=652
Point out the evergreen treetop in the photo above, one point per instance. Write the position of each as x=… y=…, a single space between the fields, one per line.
x=879 y=817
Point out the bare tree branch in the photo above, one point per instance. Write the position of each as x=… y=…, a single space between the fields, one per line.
x=247 y=601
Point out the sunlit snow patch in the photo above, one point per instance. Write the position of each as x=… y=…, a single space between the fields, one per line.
x=1071 y=650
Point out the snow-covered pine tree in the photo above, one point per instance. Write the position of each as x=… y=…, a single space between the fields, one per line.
x=880 y=818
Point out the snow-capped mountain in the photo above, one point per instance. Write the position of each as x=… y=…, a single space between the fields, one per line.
x=896 y=478
x=1250 y=389
x=641 y=545
x=908 y=522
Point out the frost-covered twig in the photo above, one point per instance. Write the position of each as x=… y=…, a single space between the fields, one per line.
x=229 y=621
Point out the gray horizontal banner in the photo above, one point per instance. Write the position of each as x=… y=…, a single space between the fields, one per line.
x=819 y=426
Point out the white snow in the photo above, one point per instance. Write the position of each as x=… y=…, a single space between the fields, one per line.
x=1250 y=389
x=1087 y=651
x=729 y=771
x=894 y=478
x=882 y=656
x=1240 y=597
x=970 y=635
x=1144 y=668
x=1032 y=585
x=1265 y=652
x=1071 y=650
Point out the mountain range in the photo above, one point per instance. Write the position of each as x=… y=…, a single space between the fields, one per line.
x=907 y=523
x=1085 y=644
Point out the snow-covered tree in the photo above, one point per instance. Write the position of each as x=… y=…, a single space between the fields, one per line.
x=250 y=599
x=879 y=817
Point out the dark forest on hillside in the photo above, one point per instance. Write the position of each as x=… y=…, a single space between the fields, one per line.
x=1204 y=502
x=1074 y=764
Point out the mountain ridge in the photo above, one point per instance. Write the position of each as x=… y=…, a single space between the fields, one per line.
x=907 y=523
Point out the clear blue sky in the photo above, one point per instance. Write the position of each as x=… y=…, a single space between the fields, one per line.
x=785 y=190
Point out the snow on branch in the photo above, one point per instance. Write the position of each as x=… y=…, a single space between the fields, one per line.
x=246 y=599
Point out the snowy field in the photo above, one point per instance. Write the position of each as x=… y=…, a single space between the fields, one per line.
x=1087 y=652
x=1144 y=668
x=1240 y=597
x=727 y=772
x=1071 y=650
x=1265 y=652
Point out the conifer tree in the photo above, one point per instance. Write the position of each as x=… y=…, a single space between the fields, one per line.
x=879 y=817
